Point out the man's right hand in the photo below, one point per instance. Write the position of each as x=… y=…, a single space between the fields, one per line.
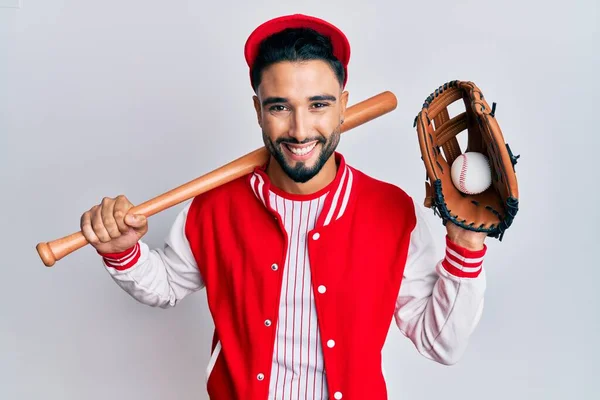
x=110 y=229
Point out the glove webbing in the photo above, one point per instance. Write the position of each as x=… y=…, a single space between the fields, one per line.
x=446 y=129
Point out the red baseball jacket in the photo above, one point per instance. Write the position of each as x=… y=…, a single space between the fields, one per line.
x=368 y=241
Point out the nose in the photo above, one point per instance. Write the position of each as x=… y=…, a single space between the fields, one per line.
x=298 y=125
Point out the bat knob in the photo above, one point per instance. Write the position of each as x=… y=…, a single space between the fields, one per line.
x=46 y=254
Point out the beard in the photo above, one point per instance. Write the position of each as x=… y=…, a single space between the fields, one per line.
x=300 y=173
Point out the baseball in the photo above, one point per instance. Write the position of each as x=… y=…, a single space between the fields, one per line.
x=471 y=173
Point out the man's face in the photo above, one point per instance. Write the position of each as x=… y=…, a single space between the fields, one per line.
x=300 y=106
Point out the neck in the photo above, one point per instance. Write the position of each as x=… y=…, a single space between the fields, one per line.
x=281 y=180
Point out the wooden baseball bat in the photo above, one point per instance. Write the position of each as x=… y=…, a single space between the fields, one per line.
x=356 y=115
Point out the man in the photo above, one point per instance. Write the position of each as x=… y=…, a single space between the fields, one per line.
x=306 y=261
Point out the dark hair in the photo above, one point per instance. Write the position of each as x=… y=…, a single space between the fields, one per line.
x=295 y=44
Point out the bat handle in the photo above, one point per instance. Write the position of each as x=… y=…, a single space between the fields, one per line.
x=51 y=252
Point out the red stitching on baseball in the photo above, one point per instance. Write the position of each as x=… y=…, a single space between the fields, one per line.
x=463 y=171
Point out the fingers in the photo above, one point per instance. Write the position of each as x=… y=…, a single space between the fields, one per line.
x=93 y=227
x=105 y=225
x=86 y=228
x=98 y=221
x=121 y=207
x=136 y=221
x=110 y=220
x=125 y=221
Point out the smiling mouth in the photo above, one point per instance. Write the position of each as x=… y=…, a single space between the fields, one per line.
x=301 y=150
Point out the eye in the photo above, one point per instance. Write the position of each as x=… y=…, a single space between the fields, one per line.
x=320 y=105
x=277 y=107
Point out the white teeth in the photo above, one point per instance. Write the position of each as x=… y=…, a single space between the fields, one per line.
x=303 y=151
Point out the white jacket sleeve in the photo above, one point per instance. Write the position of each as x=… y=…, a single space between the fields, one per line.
x=158 y=277
x=440 y=300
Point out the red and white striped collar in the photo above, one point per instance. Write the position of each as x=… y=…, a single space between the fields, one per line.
x=336 y=201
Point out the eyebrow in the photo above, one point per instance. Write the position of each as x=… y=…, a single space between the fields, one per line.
x=273 y=100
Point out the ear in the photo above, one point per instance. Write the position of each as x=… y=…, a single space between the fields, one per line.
x=343 y=104
x=258 y=110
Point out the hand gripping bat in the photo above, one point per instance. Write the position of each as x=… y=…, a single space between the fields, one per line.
x=356 y=115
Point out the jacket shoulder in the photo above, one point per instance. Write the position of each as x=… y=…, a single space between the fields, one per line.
x=378 y=194
x=380 y=190
x=227 y=193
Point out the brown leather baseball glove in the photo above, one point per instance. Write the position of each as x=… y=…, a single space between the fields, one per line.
x=491 y=211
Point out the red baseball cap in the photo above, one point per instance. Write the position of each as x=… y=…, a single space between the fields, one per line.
x=341 y=46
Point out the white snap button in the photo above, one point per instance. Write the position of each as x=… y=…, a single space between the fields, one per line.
x=268 y=322
x=322 y=289
x=274 y=267
x=260 y=377
x=337 y=395
x=330 y=343
x=316 y=236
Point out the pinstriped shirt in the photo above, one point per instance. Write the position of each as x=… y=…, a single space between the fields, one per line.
x=297 y=368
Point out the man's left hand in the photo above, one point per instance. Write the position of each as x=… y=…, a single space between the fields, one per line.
x=465 y=238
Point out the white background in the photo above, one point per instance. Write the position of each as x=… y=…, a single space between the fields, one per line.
x=99 y=98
